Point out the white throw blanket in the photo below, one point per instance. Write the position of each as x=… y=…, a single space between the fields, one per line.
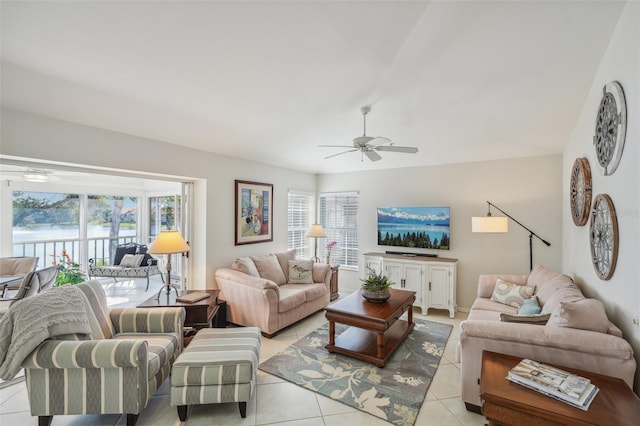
x=31 y=321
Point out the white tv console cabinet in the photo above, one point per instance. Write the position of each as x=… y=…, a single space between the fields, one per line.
x=432 y=278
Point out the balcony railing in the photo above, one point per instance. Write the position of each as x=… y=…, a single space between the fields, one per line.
x=79 y=250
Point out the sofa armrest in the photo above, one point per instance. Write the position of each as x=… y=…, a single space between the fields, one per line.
x=487 y=282
x=88 y=354
x=322 y=273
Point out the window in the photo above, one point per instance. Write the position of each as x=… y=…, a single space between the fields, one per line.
x=339 y=217
x=300 y=206
x=164 y=214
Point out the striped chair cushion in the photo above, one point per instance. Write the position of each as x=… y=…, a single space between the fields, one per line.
x=218 y=356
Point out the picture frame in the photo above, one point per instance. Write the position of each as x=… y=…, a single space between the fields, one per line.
x=253 y=212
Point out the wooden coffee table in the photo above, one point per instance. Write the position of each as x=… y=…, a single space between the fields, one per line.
x=376 y=329
x=508 y=403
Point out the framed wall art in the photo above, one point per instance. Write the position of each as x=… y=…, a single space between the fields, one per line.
x=611 y=128
x=254 y=212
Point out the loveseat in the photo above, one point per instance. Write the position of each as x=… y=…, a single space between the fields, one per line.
x=570 y=330
x=274 y=291
x=131 y=260
x=80 y=357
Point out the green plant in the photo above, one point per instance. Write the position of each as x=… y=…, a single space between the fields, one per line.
x=68 y=271
x=376 y=282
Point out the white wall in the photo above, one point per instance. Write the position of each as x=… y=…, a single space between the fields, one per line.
x=33 y=137
x=620 y=294
x=528 y=189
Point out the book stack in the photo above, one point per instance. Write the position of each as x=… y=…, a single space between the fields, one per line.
x=559 y=384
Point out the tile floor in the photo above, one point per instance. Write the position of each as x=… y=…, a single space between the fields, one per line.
x=276 y=402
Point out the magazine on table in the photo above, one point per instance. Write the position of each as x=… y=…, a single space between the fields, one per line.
x=562 y=385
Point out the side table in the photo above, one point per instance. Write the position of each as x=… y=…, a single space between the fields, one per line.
x=334 y=282
x=200 y=314
x=508 y=403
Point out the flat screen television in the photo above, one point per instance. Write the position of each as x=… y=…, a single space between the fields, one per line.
x=414 y=227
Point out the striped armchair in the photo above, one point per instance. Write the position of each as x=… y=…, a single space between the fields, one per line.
x=129 y=356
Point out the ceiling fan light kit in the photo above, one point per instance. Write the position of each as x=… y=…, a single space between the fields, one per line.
x=368 y=145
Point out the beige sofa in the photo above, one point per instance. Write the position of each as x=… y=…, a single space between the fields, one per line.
x=274 y=291
x=577 y=334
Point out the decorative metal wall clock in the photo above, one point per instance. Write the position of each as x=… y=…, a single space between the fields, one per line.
x=580 y=191
x=611 y=127
x=604 y=236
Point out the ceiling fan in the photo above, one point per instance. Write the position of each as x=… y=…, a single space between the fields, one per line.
x=369 y=145
x=28 y=174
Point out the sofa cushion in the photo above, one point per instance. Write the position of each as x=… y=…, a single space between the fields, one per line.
x=300 y=272
x=98 y=314
x=547 y=282
x=245 y=265
x=482 y=315
x=269 y=268
x=586 y=314
x=567 y=294
x=510 y=293
x=291 y=296
x=483 y=304
x=530 y=307
x=283 y=260
x=525 y=319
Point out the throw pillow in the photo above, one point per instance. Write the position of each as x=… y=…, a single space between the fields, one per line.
x=301 y=271
x=530 y=307
x=525 y=319
x=269 y=268
x=511 y=294
x=123 y=249
x=245 y=265
x=587 y=314
x=131 y=260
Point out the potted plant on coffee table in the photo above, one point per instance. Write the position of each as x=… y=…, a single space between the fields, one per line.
x=376 y=287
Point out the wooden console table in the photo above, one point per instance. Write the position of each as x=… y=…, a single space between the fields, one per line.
x=508 y=403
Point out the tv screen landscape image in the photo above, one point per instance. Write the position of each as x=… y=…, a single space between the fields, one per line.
x=414 y=227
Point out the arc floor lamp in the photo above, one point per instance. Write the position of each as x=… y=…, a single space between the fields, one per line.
x=496 y=224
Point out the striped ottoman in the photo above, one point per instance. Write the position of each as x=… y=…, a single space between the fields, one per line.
x=219 y=365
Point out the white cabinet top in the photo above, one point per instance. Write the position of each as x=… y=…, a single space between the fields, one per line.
x=411 y=257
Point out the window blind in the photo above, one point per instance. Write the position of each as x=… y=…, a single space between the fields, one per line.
x=300 y=205
x=339 y=217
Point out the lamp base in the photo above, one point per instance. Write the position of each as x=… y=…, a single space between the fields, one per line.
x=168 y=287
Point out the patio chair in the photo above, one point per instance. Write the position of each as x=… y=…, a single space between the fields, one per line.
x=18 y=267
x=32 y=283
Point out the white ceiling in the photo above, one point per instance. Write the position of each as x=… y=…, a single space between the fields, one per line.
x=270 y=80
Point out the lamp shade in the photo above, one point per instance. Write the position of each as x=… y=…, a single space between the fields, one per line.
x=169 y=242
x=316 y=231
x=490 y=224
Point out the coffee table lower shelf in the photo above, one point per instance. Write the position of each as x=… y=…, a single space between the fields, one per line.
x=371 y=346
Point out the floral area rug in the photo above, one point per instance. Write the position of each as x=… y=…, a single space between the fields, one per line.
x=394 y=393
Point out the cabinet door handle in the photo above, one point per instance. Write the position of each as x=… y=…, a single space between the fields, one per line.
x=402 y=284
x=429 y=285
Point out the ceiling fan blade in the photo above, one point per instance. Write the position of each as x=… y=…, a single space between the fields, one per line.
x=379 y=140
x=336 y=146
x=392 y=148
x=340 y=153
x=372 y=155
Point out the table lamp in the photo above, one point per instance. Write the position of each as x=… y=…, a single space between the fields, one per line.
x=168 y=242
x=316 y=231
